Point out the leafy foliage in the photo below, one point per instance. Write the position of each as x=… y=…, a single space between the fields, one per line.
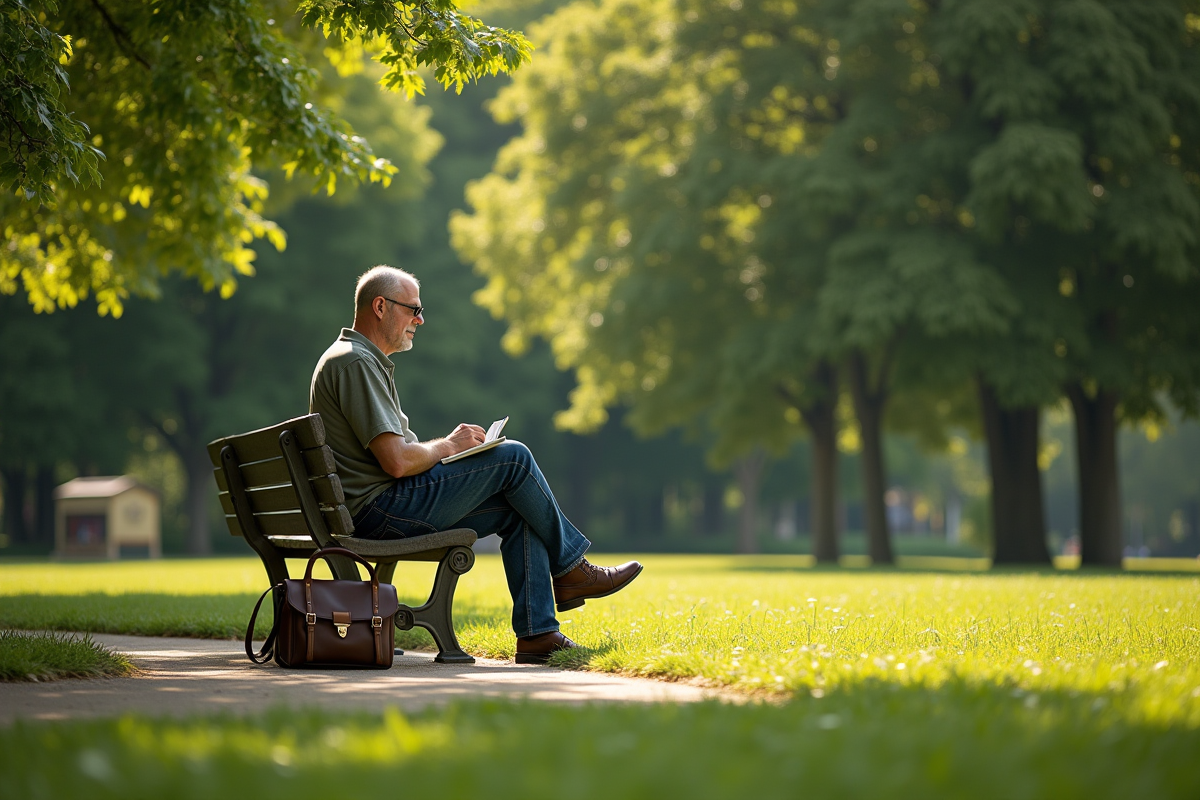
x=716 y=222
x=185 y=103
x=847 y=157
x=204 y=366
x=415 y=34
x=603 y=220
x=710 y=199
x=43 y=140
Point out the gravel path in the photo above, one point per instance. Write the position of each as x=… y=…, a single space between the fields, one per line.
x=188 y=676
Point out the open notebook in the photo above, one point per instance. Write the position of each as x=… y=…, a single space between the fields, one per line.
x=492 y=439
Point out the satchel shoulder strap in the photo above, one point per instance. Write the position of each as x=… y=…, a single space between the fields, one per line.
x=268 y=648
x=326 y=552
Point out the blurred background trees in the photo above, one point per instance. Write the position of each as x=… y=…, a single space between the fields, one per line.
x=789 y=276
x=694 y=176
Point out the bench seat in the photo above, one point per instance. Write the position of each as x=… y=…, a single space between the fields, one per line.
x=429 y=547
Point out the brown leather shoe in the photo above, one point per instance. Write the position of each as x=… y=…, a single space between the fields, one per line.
x=538 y=649
x=587 y=581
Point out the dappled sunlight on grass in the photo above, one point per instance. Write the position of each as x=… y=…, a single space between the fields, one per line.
x=881 y=741
x=755 y=624
x=766 y=624
x=929 y=681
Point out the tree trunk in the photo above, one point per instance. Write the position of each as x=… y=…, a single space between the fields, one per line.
x=869 y=403
x=821 y=418
x=1100 y=539
x=199 y=486
x=1018 y=512
x=43 y=525
x=749 y=477
x=16 y=484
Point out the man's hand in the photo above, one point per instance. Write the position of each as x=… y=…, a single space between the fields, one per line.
x=399 y=458
x=465 y=436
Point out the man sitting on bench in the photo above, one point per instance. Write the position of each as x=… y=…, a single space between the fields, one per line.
x=396 y=486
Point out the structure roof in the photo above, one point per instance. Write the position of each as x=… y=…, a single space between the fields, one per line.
x=109 y=486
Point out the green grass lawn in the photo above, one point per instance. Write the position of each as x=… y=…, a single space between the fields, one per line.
x=953 y=682
x=880 y=741
x=50 y=656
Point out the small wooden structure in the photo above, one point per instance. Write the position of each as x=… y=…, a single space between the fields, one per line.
x=107 y=518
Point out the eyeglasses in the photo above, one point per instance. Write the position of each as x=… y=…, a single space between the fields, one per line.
x=416 y=310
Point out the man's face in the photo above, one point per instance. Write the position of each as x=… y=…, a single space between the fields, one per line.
x=399 y=322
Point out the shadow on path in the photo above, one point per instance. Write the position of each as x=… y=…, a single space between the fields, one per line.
x=188 y=676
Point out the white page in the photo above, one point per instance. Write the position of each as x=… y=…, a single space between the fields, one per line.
x=493 y=439
x=494 y=431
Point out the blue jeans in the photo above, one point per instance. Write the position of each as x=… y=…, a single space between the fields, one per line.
x=498 y=491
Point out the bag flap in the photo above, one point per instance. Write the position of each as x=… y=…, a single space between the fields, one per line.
x=351 y=596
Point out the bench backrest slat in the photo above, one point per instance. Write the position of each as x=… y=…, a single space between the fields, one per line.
x=327 y=489
x=262 y=444
x=290 y=524
x=274 y=472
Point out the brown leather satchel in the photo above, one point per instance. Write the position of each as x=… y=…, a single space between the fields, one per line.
x=336 y=623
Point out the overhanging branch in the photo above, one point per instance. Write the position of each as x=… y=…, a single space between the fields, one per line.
x=122 y=38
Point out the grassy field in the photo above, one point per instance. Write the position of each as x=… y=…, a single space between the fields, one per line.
x=959 y=683
x=878 y=742
x=51 y=656
x=765 y=624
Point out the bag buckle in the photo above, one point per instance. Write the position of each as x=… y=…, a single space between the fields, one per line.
x=376 y=622
x=310 y=618
x=342 y=630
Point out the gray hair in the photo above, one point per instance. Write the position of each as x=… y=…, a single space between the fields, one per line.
x=380 y=281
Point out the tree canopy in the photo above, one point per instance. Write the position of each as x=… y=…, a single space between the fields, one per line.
x=136 y=133
x=711 y=200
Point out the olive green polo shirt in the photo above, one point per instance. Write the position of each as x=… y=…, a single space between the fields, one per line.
x=354 y=391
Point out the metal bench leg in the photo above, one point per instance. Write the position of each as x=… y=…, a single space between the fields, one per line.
x=385 y=572
x=436 y=616
x=273 y=562
x=343 y=569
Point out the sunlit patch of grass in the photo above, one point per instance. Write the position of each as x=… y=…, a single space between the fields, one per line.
x=50 y=656
x=882 y=741
x=767 y=625
x=1133 y=640
x=185 y=577
x=906 y=682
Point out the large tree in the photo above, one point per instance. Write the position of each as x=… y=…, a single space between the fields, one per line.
x=699 y=183
x=1084 y=182
x=133 y=130
x=716 y=215
x=619 y=206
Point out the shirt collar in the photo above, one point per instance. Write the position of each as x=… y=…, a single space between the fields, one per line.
x=351 y=335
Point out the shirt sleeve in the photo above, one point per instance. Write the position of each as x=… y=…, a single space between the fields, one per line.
x=366 y=402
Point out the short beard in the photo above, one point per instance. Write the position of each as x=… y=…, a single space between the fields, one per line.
x=405 y=344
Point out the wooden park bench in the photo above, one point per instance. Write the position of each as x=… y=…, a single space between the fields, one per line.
x=281 y=493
